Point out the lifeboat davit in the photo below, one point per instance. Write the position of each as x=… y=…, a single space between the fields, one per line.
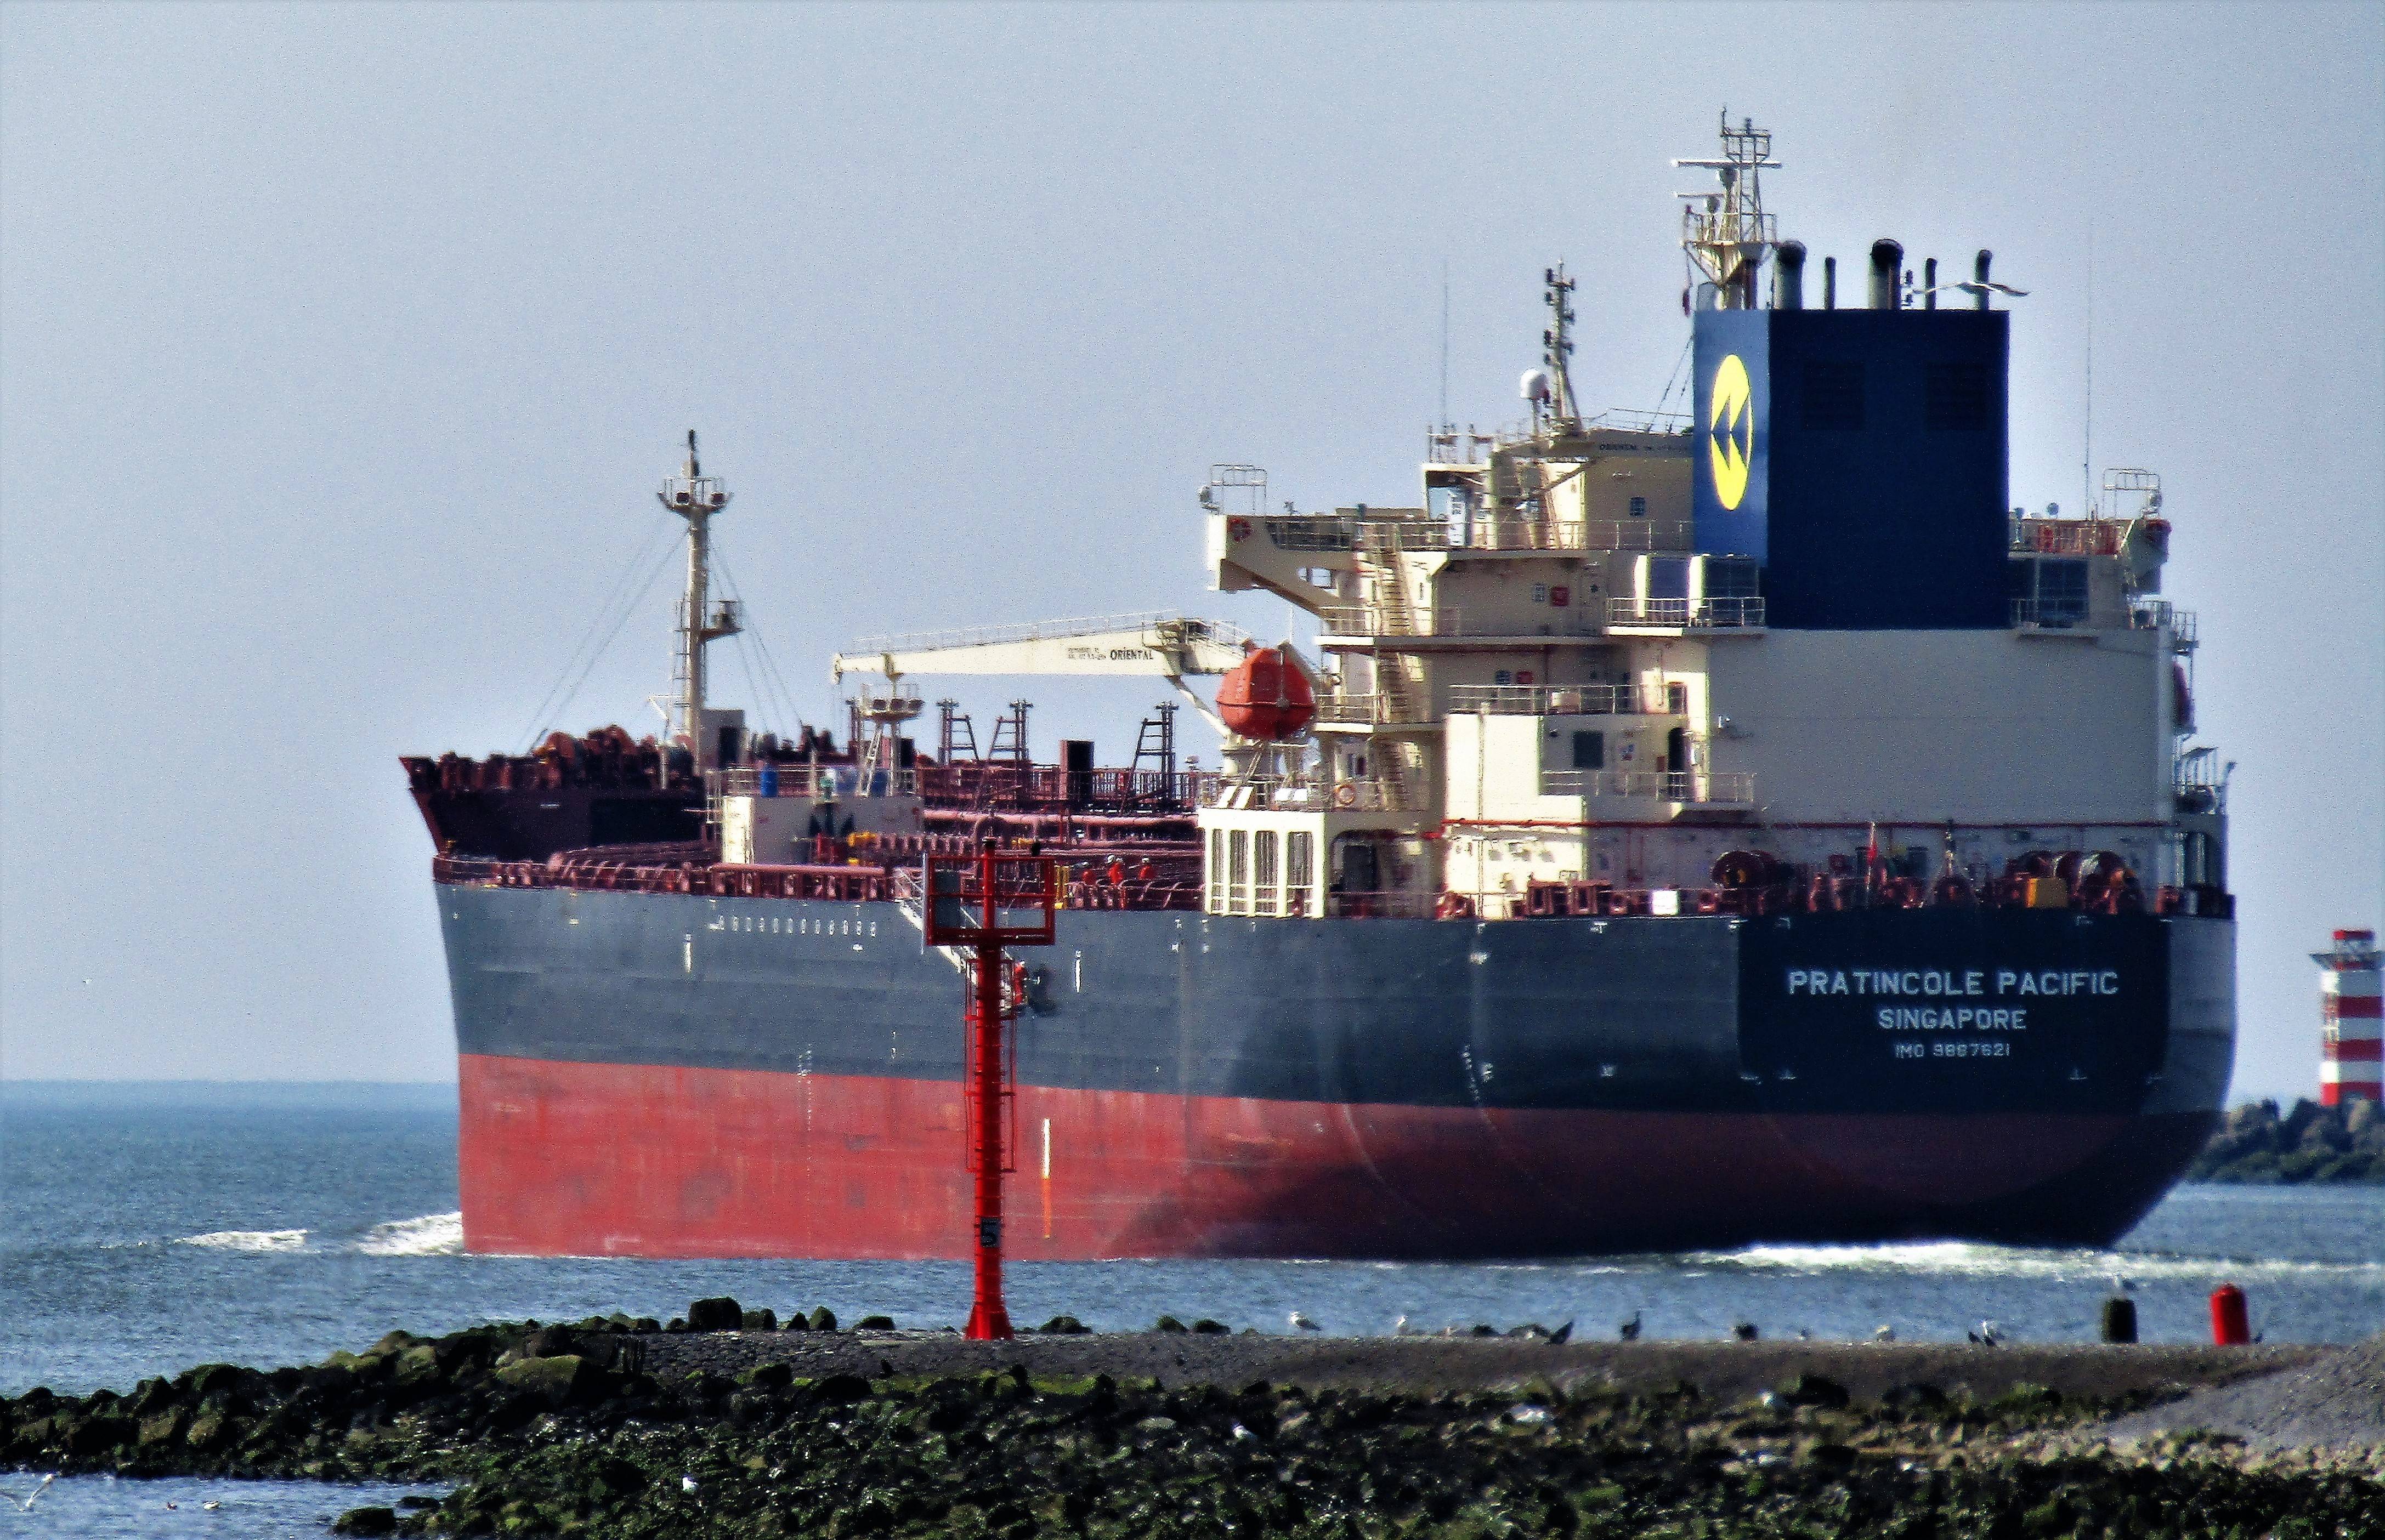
x=1265 y=696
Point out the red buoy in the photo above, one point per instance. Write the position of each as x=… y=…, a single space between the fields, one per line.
x=1267 y=696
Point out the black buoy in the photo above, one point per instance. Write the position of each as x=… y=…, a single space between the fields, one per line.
x=2119 y=1320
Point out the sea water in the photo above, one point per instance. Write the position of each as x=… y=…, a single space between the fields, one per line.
x=146 y=1229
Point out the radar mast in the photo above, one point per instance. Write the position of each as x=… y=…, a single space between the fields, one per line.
x=1726 y=233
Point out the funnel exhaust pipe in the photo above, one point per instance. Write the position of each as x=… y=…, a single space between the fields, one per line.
x=1830 y=283
x=1788 y=276
x=1979 y=279
x=1887 y=263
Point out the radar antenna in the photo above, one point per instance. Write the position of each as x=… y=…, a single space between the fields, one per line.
x=695 y=497
x=1726 y=233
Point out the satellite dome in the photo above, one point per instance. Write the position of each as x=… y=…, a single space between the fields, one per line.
x=1536 y=384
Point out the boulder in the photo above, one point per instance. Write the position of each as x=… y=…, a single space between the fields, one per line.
x=417 y=1365
x=764 y=1320
x=874 y=1323
x=722 y=1314
x=1813 y=1390
x=1064 y=1325
x=823 y=1319
x=559 y=1381
x=366 y=1521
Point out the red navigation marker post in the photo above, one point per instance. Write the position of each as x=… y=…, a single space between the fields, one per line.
x=982 y=904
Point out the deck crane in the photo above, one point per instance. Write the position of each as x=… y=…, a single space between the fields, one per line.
x=1158 y=645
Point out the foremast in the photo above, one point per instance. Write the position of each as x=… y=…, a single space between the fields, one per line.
x=695 y=497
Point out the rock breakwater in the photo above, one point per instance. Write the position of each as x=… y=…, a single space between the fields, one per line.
x=617 y=1427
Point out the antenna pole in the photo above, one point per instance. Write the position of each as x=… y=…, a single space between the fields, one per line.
x=2087 y=431
x=1556 y=344
x=1441 y=422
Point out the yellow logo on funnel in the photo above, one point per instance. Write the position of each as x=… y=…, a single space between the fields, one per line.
x=1730 y=430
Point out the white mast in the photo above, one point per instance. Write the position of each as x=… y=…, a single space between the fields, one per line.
x=1726 y=233
x=695 y=497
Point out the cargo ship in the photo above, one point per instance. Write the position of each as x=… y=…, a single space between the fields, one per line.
x=1681 y=832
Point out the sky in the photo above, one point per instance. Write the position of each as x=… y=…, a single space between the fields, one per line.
x=343 y=346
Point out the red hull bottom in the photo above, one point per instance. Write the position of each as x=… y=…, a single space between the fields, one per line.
x=571 y=1158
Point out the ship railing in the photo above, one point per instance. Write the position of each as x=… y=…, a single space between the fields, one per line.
x=2151 y=614
x=1727 y=787
x=1693 y=615
x=2050 y=614
x=810 y=780
x=1496 y=533
x=1404 y=534
x=1378 y=620
x=1280 y=793
x=1369 y=709
x=1307 y=531
x=1051 y=630
x=2068 y=537
x=1560 y=699
x=2199 y=780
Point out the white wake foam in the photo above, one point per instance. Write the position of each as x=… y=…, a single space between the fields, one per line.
x=248 y=1240
x=1970 y=1259
x=425 y=1236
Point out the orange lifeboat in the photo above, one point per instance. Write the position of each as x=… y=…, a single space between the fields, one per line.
x=1265 y=696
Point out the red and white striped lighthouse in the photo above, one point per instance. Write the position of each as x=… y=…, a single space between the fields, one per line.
x=2349 y=1063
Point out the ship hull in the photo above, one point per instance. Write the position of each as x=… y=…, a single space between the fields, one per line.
x=677 y=1076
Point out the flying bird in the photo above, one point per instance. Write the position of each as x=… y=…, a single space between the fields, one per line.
x=1630 y=1330
x=25 y=1503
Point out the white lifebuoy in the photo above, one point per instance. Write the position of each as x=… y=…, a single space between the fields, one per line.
x=1346 y=795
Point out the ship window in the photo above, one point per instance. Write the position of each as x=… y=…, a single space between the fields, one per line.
x=1834 y=397
x=1299 y=870
x=1665 y=577
x=2050 y=590
x=1216 y=871
x=1263 y=898
x=1955 y=397
x=1639 y=507
x=1677 y=699
x=1589 y=750
x=1729 y=578
x=1238 y=872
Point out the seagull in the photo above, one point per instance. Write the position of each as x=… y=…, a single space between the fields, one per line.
x=687 y=1483
x=211 y=1505
x=1561 y=1336
x=2123 y=1285
x=1988 y=1334
x=1883 y=1333
x=1744 y=1331
x=1630 y=1330
x=1402 y=1328
x=1302 y=1323
x=1804 y=1336
x=25 y=1503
